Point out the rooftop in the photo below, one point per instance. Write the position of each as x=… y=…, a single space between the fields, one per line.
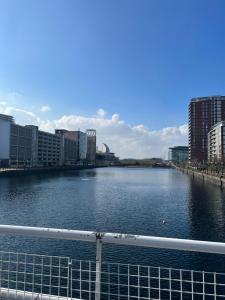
x=179 y=148
x=221 y=123
x=205 y=98
x=6 y=118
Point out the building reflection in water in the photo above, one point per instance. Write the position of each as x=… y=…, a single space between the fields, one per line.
x=207 y=216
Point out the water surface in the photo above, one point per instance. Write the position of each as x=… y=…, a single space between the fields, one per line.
x=128 y=200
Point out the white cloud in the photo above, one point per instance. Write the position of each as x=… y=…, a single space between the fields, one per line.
x=45 y=108
x=101 y=113
x=125 y=140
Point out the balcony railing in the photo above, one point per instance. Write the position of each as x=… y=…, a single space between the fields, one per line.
x=31 y=276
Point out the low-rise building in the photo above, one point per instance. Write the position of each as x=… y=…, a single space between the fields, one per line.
x=106 y=157
x=216 y=142
x=178 y=154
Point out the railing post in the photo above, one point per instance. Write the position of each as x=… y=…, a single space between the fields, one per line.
x=98 y=266
x=70 y=280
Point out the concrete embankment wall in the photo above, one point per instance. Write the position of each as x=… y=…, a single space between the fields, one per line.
x=217 y=180
x=21 y=172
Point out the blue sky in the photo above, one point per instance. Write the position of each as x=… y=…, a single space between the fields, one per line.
x=142 y=60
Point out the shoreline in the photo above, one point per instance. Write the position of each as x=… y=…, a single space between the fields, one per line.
x=33 y=171
x=205 y=177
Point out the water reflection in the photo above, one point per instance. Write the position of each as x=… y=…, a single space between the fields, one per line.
x=116 y=200
x=207 y=211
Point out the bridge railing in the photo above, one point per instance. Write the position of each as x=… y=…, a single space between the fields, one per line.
x=28 y=276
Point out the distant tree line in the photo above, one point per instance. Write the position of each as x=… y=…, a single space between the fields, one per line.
x=146 y=162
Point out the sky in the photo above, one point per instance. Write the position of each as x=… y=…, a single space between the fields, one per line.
x=127 y=68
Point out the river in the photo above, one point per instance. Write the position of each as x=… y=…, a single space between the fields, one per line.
x=127 y=200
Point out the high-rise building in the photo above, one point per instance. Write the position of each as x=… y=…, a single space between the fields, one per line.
x=204 y=112
x=178 y=154
x=91 y=145
x=216 y=143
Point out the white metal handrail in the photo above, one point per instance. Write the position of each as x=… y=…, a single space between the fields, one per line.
x=116 y=238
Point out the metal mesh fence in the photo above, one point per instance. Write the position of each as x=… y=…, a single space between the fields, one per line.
x=26 y=276
x=122 y=281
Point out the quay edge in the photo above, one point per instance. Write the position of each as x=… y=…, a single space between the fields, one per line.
x=33 y=171
x=205 y=177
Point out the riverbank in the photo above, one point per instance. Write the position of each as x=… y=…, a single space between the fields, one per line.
x=218 y=180
x=33 y=171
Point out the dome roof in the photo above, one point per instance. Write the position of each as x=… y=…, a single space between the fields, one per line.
x=105 y=148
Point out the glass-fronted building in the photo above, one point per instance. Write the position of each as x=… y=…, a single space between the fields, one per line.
x=178 y=154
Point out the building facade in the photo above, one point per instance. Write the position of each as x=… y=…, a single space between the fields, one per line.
x=105 y=157
x=91 y=145
x=27 y=146
x=178 y=154
x=5 y=130
x=204 y=112
x=49 y=149
x=81 y=140
x=69 y=147
x=20 y=146
x=216 y=143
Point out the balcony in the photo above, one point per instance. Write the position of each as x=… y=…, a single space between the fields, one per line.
x=32 y=276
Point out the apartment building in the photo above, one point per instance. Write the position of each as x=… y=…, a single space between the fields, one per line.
x=216 y=143
x=204 y=112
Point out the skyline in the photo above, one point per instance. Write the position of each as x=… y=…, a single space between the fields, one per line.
x=125 y=140
x=127 y=69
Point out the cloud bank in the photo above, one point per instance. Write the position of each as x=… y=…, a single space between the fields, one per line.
x=125 y=140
